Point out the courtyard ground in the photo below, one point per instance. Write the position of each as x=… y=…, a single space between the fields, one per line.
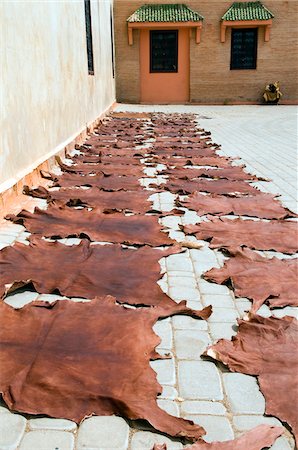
x=225 y=404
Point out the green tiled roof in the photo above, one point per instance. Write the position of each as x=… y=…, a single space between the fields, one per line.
x=165 y=13
x=247 y=11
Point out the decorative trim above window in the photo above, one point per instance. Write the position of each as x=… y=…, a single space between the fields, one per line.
x=246 y=15
x=166 y=16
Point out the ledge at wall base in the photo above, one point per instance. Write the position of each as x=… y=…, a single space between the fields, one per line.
x=13 y=187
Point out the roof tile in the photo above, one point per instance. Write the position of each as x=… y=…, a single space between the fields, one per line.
x=247 y=11
x=165 y=13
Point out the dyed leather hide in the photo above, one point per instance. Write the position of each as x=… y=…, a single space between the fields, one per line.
x=267 y=348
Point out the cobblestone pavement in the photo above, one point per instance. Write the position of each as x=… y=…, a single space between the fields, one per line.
x=225 y=404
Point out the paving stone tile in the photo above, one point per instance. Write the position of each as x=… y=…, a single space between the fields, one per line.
x=287 y=311
x=204 y=253
x=179 y=262
x=182 y=282
x=194 y=304
x=144 y=440
x=244 y=422
x=218 y=301
x=218 y=428
x=188 y=323
x=173 y=222
x=169 y=406
x=103 y=432
x=178 y=236
x=202 y=266
x=243 y=393
x=190 y=344
x=212 y=288
x=222 y=330
x=12 y=428
x=164 y=331
x=169 y=393
x=19 y=300
x=223 y=315
x=47 y=440
x=165 y=370
x=184 y=293
x=199 y=380
x=203 y=407
x=264 y=311
x=282 y=444
x=243 y=307
x=46 y=423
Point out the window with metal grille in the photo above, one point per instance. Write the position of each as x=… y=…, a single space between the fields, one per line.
x=89 y=37
x=244 y=48
x=164 y=51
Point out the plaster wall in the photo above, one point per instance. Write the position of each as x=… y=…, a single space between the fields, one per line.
x=211 y=80
x=47 y=96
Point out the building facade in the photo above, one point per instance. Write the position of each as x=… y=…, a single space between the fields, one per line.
x=57 y=78
x=205 y=51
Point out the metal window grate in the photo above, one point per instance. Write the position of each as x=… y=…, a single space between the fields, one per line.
x=244 y=48
x=164 y=51
x=89 y=37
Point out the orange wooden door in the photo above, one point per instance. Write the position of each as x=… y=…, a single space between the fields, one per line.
x=160 y=87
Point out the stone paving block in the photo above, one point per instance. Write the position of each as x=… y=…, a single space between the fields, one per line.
x=223 y=315
x=204 y=253
x=203 y=407
x=7 y=239
x=12 y=428
x=181 y=281
x=218 y=301
x=282 y=444
x=21 y=299
x=184 y=293
x=188 y=323
x=46 y=423
x=264 y=311
x=217 y=428
x=245 y=423
x=164 y=330
x=169 y=406
x=165 y=370
x=287 y=311
x=243 y=307
x=199 y=380
x=202 y=266
x=243 y=393
x=194 y=304
x=144 y=440
x=178 y=236
x=190 y=344
x=179 y=262
x=171 y=222
x=47 y=440
x=103 y=432
x=212 y=288
x=222 y=330
x=169 y=393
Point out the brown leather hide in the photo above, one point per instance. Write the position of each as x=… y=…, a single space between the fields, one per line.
x=191 y=152
x=72 y=360
x=277 y=235
x=134 y=201
x=263 y=206
x=212 y=161
x=256 y=439
x=273 y=281
x=88 y=271
x=267 y=348
x=109 y=183
x=230 y=173
x=225 y=187
x=84 y=168
x=62 y=222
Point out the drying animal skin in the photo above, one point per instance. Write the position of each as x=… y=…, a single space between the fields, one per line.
x=225 y=187
x=266 y=348
x=72 y=360
x=212 y=161
x=62 y=222
x=263 y=206
x=107 y=183
x=185 y=152
x=230 y=173
x=278 y=235
x=260 y=279
x=130 y=201
x=258 y=438
x=82 y=168
x=87 y=271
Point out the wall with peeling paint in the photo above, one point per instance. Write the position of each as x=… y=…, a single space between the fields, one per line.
x=47 y=96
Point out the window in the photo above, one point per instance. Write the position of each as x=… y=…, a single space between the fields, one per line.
x=89 y=37
x=164 y=51
x=244 y=48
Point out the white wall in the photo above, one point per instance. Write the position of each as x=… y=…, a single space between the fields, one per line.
x=47 y=96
